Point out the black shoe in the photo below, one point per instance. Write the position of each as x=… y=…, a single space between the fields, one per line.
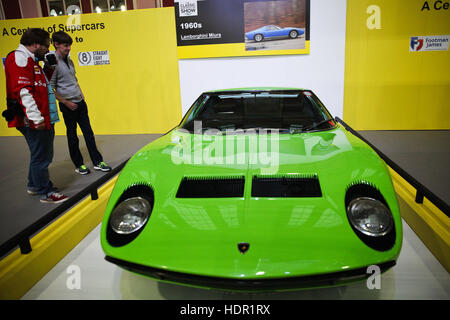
x=82 y=169
x=102 y=166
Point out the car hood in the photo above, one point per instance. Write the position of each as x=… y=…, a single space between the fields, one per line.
x=286 y=236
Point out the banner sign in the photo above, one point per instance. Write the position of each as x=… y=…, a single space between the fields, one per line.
x=217 y=28
x=120 y=71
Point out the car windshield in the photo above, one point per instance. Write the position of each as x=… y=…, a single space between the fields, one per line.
x=286 y=110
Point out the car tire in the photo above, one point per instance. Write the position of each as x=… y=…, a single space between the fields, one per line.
x=293 y=34
x=258 y=37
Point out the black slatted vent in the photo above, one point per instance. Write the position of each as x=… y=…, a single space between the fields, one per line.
x=363 y=189
x=286 y=186
x=211 y=187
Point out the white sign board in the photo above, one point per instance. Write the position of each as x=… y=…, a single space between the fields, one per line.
x=429 y=43
x=93 y=58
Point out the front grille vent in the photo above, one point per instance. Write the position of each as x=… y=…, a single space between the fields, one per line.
x=211 y=187
x=286 y=186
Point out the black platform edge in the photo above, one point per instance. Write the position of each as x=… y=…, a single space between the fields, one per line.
x=22 y=239
x=422 y=191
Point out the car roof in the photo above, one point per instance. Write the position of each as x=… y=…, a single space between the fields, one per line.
x=255 y=89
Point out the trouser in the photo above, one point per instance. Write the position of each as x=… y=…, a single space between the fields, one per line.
x=71 y=119
x=40 y=143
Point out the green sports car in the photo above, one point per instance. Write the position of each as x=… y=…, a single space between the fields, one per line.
x=257 y=189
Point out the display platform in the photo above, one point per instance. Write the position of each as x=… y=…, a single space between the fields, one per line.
x=20 y=210
x=416 y=267
x=417 y=275
x=423 y=154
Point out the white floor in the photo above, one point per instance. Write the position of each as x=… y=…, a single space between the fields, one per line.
x=417 y=275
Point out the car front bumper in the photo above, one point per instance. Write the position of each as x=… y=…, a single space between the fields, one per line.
x=264 y=284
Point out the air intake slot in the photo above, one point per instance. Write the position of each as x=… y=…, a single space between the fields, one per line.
x=211 y=187
x=286 y=186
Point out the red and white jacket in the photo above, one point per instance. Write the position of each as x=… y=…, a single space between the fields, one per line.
x=26 y=83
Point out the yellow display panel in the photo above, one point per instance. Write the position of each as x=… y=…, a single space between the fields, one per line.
x=231 y=50
x=20 y=272
x=428 y=222
x=387 y=86
x=138 y=92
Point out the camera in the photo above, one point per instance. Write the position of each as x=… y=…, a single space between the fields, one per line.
x=13 y=109
x=51 y=59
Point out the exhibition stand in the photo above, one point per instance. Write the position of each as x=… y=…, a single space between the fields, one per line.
x=141 y=70
x=60 y=229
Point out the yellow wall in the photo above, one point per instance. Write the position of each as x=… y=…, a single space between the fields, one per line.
x=139 y=91
x=386 y=85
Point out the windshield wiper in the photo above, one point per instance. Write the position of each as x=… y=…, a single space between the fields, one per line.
x=268 y=129
x=311 y=126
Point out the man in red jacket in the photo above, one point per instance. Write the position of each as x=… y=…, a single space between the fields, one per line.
x=27 y=93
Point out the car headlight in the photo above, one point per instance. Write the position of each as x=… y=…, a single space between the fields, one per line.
x=369 y=216
x=130 y=215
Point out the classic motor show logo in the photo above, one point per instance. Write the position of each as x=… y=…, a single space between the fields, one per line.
x=188 y=8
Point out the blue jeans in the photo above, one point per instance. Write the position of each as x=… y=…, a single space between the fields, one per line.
x=40 y=143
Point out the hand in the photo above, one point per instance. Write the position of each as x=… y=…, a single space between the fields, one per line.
x=72 y=106
x=40 y=126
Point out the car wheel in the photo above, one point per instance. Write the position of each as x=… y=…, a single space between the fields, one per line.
x=293 y=34
x=259 y=37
